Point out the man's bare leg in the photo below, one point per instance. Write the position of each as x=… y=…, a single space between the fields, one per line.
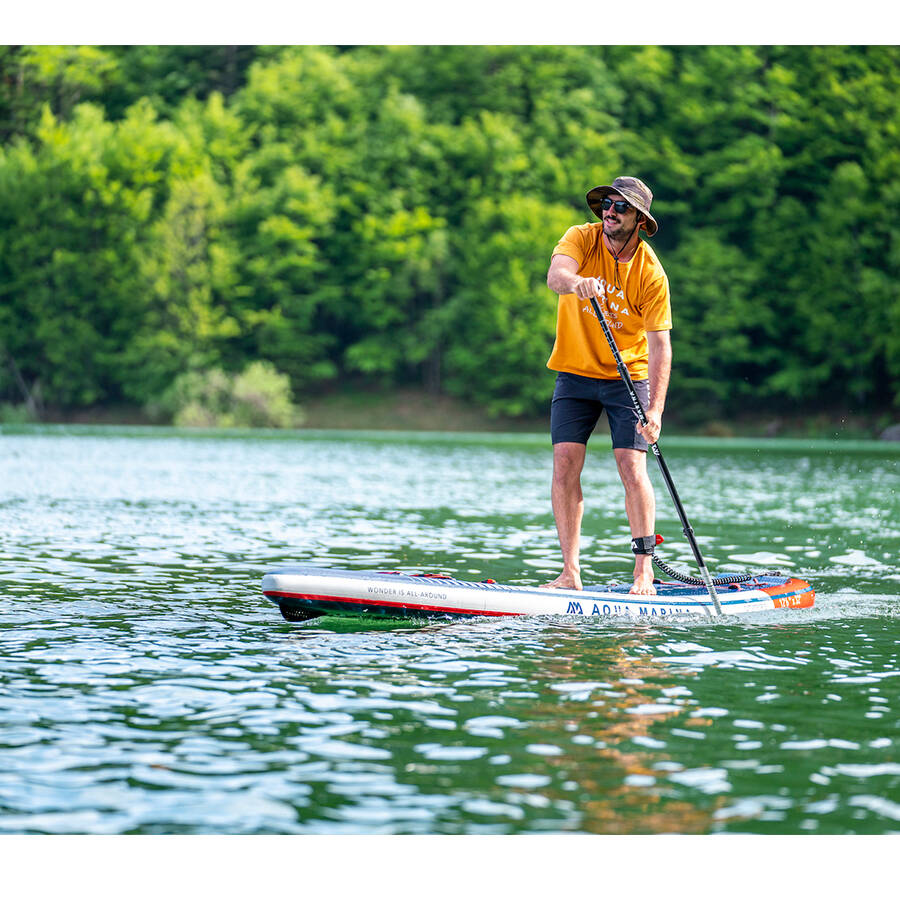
x=640 y=507
x=568 y=509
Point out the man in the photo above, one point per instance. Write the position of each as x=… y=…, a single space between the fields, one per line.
x=608 y=260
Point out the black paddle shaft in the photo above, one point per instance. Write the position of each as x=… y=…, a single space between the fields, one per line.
x=663 y=468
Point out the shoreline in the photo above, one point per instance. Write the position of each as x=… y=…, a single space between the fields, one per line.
x=416 y=410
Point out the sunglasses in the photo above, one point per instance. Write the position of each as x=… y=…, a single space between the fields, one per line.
x=622 y=206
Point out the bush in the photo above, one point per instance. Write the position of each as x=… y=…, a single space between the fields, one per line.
x=16 y=414
x=258 y=397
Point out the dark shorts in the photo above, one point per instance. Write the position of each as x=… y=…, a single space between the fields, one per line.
x=579 y=400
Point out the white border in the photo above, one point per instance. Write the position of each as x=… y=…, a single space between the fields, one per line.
x=460 y=22
x=447 y=867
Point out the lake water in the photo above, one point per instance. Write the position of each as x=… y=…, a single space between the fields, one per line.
x=147 y=686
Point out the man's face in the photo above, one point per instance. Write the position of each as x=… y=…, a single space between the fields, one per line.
x=619 y=225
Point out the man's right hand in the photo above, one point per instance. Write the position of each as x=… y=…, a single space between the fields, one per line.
x=585 y=288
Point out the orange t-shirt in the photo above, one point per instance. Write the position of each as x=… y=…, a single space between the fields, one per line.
x=640 y=304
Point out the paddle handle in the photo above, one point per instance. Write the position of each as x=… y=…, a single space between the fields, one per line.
x=688 y=532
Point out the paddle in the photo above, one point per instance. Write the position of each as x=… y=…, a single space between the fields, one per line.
x=663 y=468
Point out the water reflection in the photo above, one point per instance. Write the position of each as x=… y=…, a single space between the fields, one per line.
x=625 y=782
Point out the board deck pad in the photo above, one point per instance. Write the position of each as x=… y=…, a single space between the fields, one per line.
x=304 y=592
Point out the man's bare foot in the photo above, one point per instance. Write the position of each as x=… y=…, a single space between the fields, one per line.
x=643 y=583
x=567 y=581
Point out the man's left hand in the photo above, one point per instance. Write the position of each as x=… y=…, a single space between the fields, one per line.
x=650 y=431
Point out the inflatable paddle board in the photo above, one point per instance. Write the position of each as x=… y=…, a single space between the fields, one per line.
x=304 y=592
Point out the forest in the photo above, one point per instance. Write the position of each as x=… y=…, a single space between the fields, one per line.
x=181 y=220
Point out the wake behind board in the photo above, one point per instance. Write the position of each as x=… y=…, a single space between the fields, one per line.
x=305 y=592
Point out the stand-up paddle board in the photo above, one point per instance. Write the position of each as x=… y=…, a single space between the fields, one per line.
x=305 y=592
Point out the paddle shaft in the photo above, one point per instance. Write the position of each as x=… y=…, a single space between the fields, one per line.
x=663 y=468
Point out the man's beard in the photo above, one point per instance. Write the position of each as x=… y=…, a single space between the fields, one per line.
x=615 y=230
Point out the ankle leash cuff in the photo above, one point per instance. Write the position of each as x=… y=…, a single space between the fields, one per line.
x=644 y=546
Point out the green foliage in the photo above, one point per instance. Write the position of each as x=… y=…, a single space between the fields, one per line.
x=258 y=397
x=168 y=74
x=58 y=77
x=77 y=214
x=188 y=271
x=719 y=328
x=387 y=214
x=503 y=318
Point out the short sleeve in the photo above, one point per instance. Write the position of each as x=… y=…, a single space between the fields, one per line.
x=571 y=244
x=656 y=307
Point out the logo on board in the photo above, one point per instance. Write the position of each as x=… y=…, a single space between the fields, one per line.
x=614 y=609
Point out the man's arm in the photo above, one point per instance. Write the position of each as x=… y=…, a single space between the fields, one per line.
x=660 y=365
x=563 y=278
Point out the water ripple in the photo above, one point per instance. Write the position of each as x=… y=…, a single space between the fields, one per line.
x=146 y=686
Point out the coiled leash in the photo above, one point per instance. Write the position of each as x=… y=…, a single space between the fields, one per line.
x=646 y=546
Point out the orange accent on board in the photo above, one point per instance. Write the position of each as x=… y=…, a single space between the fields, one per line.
x=795 y=594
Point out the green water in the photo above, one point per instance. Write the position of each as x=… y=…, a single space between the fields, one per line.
x=147 y=686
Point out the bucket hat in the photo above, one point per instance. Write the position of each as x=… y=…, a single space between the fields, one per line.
x=634 y=191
